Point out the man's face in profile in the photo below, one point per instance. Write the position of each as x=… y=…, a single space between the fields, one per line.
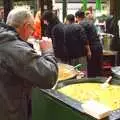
x=28 y=29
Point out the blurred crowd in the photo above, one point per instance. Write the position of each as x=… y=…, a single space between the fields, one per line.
x=75 y=41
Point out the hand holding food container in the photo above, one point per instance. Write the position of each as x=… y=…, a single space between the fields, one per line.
x=46 y=44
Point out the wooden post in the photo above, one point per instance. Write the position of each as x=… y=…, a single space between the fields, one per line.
x=115 y=11
x=64 y=8
x=44 y=5
x=112 y=6
x=8 y=5
x=115 y=8
x=118 y=9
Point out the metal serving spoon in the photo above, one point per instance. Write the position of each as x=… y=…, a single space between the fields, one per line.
x=106 y=83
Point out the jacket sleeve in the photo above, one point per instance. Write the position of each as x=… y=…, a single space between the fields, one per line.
x=41 y=71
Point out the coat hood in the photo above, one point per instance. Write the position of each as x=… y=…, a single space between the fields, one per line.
x=7 y=33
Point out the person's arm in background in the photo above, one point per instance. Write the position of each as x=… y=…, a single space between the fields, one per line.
x=86 y=42
x=87 y=47
x=41 y=71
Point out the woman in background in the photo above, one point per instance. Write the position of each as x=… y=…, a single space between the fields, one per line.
x=37 y=25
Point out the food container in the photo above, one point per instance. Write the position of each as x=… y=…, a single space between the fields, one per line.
x=107 y=41
x=66 y=72
x=53 y=105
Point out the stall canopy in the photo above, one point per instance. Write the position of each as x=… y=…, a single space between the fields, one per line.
x=98 y=4
x=77 y=1
x=84 y=2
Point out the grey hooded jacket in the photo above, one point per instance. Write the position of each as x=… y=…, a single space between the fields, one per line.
x=21 y=68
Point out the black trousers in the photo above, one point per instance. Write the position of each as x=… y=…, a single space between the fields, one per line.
x=94 y=65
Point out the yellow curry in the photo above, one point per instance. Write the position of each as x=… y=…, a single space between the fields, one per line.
x=109 y=96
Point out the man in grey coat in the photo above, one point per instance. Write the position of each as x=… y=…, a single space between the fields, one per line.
x=21 y=67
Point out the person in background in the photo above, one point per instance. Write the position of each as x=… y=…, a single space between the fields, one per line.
x=21 y=68
x=1 y=14
x=55 y=30
x=94 y=65
x=89 y=16
x=37 y=26
x=76 y=42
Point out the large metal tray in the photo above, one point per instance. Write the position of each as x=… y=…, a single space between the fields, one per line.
x=57 y=105
x=61 y=84
x=114 y=114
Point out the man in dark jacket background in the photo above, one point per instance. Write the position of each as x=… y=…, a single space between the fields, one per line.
x=94 y=65
x=76 y=42
x=55 y=30
x=21 y=67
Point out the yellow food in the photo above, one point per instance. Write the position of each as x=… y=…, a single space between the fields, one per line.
x=65 y=72
x=109 y=96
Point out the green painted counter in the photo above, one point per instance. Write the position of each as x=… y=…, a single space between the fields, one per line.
x=46 y=107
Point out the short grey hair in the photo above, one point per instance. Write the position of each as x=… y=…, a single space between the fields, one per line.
x=17 y=16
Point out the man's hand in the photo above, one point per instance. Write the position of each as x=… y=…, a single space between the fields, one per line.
x=46 y=44
x=89 y=54
x=88 y=51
